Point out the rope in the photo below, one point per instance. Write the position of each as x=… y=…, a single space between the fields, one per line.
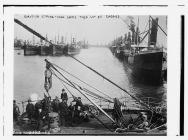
x=81 y=80
x=111 y=82
x=159 y=26
x=84 y=89
x=119 y=113
x=145 y=28
x=81 y=92
x=156 y=127
x=101 y=122
x=62 y=83
x=71 y=86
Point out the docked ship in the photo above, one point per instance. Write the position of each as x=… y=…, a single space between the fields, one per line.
x=18 y=44
x=58 y=49
x=72 y=48
x=147 y=62
x=44 y=50
x=148 y=65
x=30 y=49
x=85 y=45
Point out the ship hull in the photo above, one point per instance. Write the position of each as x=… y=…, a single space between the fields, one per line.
x=45 y=50
x=69 y=50
x=73 y=51
x=147 y=67
x=58 y=50
x=31 y=50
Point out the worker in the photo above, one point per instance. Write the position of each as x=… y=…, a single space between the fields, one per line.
x=144 y=124
x=117 y=112
x=78 y=108
x=38 y=107
x=63 y=111
x=71 y=111
x=64 y=95
x=16 y=111
x=79 y=104
x=55 y=105
x=30 y=109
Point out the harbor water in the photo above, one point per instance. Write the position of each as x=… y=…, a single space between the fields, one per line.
x=29 y=76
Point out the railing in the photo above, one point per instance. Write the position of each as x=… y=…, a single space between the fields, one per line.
x=127 y=103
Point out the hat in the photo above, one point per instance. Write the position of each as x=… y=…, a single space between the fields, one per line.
x=142 y=113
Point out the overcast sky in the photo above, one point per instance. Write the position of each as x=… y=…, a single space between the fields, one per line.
x=95 y=29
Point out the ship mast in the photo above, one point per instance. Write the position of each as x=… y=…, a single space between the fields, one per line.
x=137 y=33
x=149 y=33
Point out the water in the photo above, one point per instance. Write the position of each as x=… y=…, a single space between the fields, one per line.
x=29 y=76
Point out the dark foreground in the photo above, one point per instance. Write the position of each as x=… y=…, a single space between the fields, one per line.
x=92 y=127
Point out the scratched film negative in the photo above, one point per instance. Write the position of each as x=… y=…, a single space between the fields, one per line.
x=90 y=74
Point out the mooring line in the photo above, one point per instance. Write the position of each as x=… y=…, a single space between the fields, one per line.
x=81 y=80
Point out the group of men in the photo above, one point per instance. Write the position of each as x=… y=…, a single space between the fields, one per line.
x=68 y=114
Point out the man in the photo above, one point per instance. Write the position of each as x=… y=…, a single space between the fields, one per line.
x=79 y=104
x=30 y=109
x=55 y=105
x=16 y=111
x=78 y=108
x=63 y=109
x=144 y=121
x=64 y=95
x=117 y=112
x=37 y=107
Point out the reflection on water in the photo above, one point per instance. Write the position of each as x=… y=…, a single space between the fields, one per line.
x=29 y=75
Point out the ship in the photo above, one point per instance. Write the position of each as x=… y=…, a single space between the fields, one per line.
x=30 y=49
x=146 y=62
x=85 y=45
x=45 y=50
x=58 y=49
x=18 y=44
x=73 y=48
x=147 y=65
x=93 y=119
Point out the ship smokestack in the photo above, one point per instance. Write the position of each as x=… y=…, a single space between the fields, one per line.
x=154 y=29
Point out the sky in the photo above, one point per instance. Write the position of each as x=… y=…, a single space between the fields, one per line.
x=96 y=29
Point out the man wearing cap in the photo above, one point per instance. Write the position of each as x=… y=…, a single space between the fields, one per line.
x=55 y=105
x=78 y=109
x=30 y=109
x=64 y=95
x=63 y=110
x=16 y=111
x=144 y=123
